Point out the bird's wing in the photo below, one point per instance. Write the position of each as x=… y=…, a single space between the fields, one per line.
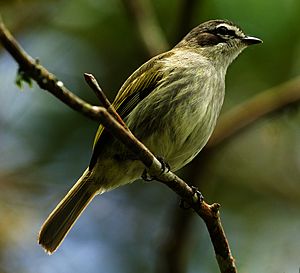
x=137 y=87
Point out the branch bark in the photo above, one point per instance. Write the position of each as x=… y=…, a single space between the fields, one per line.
x=47 y=81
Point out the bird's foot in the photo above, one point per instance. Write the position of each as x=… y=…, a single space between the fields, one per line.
x=146 y=176
x=165 y=167
x=197 y=197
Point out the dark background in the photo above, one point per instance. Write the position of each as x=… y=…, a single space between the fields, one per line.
x=45 y=146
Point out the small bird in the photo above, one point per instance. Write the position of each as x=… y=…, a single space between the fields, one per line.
x=171 y=103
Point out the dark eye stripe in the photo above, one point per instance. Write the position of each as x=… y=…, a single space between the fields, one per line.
x=222 y=30
x=231 y=32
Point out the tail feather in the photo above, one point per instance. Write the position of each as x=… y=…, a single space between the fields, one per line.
x=63 y=217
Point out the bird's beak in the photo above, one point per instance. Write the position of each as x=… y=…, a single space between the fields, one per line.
x=248 y=40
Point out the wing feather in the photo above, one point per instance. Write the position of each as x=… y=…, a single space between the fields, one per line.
x=137 y=87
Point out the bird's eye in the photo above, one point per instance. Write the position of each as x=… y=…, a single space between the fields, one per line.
x=222 y=30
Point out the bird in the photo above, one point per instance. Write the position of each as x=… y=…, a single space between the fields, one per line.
x=171 y=103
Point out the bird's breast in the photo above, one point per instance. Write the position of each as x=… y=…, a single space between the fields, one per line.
x=176 y=120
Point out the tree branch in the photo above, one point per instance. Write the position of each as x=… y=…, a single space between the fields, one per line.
x=47 y=81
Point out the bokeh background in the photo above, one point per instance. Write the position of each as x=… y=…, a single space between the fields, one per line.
x=45 y=146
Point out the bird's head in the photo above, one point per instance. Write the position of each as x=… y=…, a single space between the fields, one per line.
x=218 y=40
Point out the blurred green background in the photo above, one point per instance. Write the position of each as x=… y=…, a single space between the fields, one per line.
x=45 y=146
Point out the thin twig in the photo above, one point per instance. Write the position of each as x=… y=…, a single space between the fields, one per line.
x=92 y=82
x=47 y=81
x=94 y=85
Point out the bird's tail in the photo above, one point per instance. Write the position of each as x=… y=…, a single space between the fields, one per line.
x=63 y=217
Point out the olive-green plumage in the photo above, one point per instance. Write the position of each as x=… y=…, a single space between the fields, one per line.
x=171 y=103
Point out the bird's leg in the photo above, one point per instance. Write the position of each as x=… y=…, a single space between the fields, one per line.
x=146 y=176
x=197 y=197
x=165 y=167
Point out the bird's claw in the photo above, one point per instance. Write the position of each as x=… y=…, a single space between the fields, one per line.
x=146 y=176
x=197 y=197
x=197 y=194
x=165 y=168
